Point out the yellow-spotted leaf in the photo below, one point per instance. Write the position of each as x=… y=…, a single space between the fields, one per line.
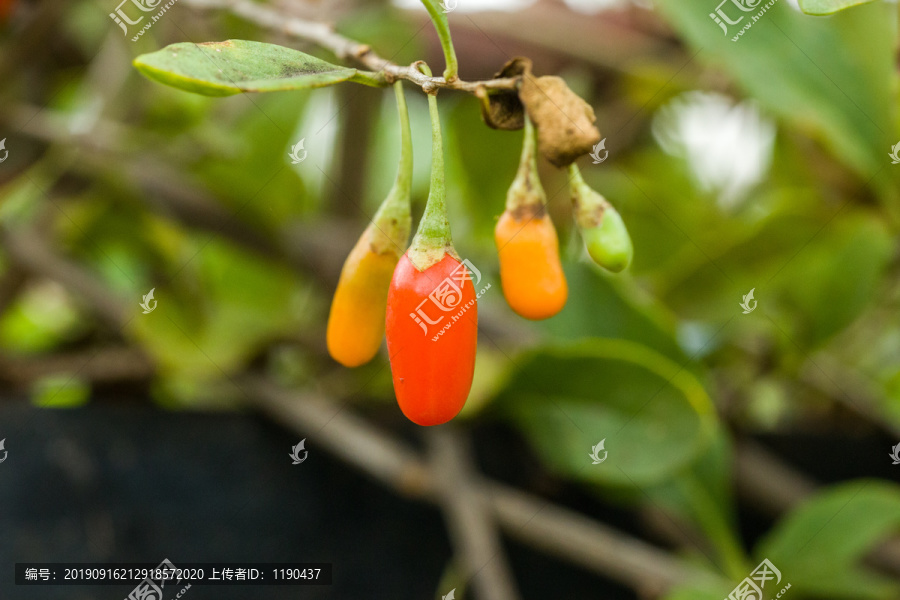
x=235 y=66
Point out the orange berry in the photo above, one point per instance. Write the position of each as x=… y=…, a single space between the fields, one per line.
x=532 y=277
x=356 y=320
x=530 y=270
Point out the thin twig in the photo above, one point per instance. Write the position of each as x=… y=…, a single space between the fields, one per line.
x=324 y=35
x=469 y=519
x=529 y=519
x=855 y=392
x=113 y=364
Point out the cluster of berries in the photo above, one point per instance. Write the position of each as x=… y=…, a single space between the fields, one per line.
x=384 y=286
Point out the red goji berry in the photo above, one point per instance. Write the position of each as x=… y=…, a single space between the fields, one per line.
x=432 y=350
x=432 y=290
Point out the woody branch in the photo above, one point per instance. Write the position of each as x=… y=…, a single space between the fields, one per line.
x=324 y=36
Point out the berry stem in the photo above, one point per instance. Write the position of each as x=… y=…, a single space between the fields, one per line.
x=392 y=221
x=433 y=238
x=439 y=18
x=526 y=194
x=589 y=204
x=404 y=174
x=370 y=78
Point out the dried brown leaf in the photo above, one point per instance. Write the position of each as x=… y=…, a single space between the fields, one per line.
x=503 y=109
x=564 y=122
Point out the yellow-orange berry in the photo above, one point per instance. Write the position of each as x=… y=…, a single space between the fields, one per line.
x=530 y=270
x=356 y=320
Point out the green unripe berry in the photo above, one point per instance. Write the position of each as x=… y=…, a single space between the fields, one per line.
x=609 y=243
x=604 y=233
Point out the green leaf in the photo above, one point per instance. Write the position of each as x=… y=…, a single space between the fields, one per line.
x=826 y=7
x=817 y=546
x=235 y=66
x=654 y=415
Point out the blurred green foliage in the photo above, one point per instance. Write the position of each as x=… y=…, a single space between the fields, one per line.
x=659 y=361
